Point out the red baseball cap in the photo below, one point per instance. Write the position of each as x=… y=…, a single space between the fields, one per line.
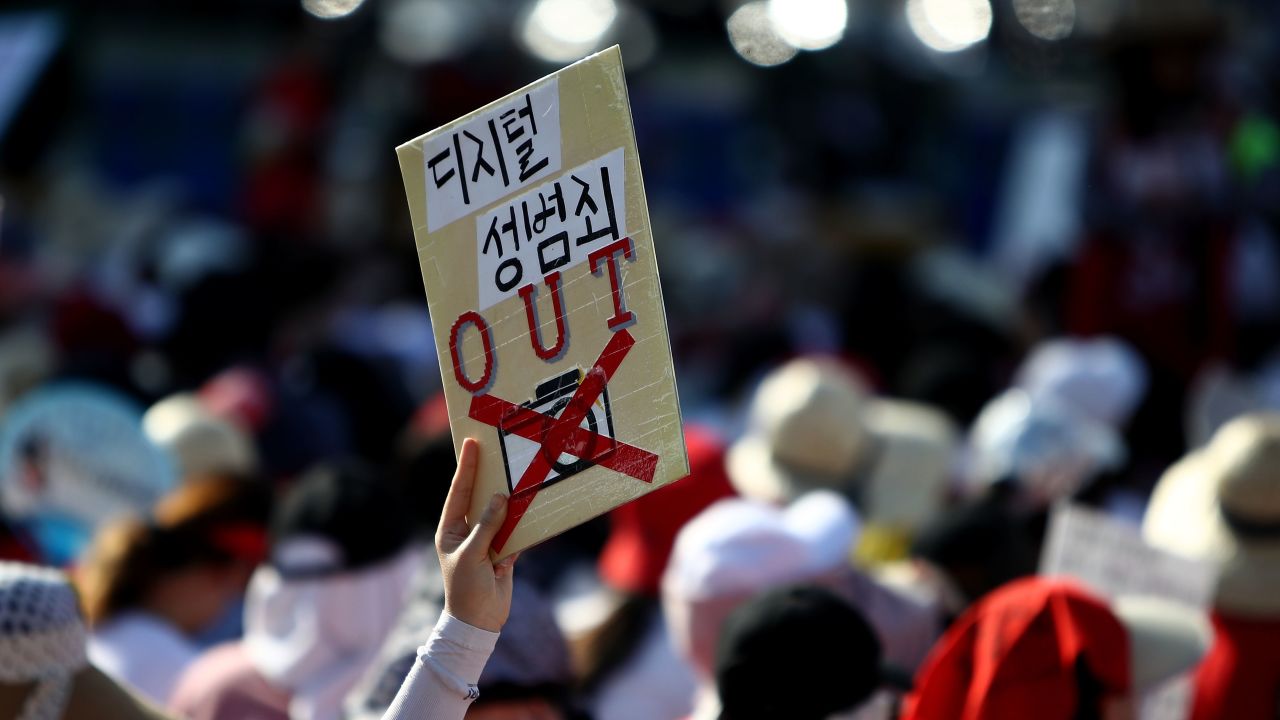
x=1020 y=652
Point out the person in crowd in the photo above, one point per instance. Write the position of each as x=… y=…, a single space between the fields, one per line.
x=738 y=548
x=44 y=671
x=813 y=426
x=336 y=578
x=627 y=663
x=528 y=674
x=1101 y=378
x=150 y=586
x=1038 y=443
x=1049 y=648
x=1221 y=504
x=771 y=662
x=442 y=683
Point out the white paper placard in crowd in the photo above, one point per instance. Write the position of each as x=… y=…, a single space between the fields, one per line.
x=1111 y=557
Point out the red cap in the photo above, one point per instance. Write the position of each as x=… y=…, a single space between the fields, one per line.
x=644 y=530
x=1014 y=655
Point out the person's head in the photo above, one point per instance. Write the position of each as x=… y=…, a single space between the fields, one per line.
x=1222 y=504
x=738 y=548
x=813 y=426
x=339 y=567
x=1039 y=449
x=44 y=672
x=1050 y=649
x=799 y=652
x=972 y=550
x=1102 y=378
x=185 y=563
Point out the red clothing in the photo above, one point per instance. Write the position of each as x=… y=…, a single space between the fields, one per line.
x=1240 y=677
x=1014 y=655
x=644 y=530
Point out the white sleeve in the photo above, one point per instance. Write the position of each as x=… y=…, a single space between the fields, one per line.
x=442 y=683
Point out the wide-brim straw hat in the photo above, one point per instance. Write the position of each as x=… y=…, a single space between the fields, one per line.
x=813 y=426
x=1222 y=504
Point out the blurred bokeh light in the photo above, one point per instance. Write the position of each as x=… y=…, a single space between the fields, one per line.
x=330 y=9
x=565 y=30
x=754 y=36
x=809 y=24
x=1046 y=19
x=949 y=25
x=423 y=31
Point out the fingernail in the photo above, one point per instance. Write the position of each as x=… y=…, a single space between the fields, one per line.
x=496 y=501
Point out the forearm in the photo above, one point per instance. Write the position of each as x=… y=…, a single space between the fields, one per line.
x=442 y=683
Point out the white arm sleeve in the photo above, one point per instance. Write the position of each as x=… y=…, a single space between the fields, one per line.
x=442 y=683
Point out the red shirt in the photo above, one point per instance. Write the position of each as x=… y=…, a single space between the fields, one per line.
x=1240 y=677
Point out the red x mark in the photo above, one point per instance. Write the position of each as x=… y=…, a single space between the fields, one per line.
x=557 y=436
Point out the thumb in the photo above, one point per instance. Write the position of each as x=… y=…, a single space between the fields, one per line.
x=486 y=528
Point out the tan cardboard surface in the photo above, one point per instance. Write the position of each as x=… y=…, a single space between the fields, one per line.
x=491 y=252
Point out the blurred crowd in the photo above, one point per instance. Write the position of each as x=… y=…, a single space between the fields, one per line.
x=924 y=286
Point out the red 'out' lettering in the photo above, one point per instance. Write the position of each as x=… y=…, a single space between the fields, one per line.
x=622 y=317
x=535 y=329
x=471 y=317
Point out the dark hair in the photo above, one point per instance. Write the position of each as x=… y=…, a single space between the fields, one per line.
x=347 y=502
x=775 y=657
x=203 y=522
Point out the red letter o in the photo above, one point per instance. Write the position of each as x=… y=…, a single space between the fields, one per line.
x=471 y=317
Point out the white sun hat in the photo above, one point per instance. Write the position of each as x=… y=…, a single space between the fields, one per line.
x=813 y=426
x=1222 y=504
x=1049 y=450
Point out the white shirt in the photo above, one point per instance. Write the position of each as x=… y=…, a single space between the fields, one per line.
x=142 y=651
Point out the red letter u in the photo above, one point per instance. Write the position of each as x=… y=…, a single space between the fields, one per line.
x=535 y=328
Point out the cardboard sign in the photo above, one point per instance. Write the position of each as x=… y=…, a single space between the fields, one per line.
x=533 y=235
x=1113 y=559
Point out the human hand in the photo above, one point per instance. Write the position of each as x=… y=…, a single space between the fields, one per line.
x=477 y=591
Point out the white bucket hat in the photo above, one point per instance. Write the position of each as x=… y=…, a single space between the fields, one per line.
x=1049 y=450
x=1101 y=378
x=1222 y=504
x=737 y=548
x=813 y=426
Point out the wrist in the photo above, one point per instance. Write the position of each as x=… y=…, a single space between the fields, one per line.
x=479 y=621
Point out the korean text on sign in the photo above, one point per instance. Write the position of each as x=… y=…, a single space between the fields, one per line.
x=551 y=228
x=492 y=155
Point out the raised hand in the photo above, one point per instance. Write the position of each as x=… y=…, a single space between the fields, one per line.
x=477 y=591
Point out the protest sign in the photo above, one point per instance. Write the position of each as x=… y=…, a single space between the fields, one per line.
x=1113 y=559
x=533 y=237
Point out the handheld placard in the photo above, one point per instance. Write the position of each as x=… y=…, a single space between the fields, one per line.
x=533 y=236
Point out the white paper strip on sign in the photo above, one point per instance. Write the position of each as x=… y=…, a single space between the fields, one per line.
x=553 y=227
x=493 y=154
